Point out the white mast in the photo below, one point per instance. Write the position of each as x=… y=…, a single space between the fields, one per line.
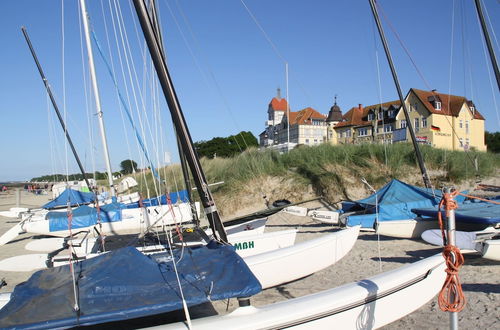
x=96 y=95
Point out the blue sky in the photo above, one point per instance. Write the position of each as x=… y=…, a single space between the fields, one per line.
x=224 y=69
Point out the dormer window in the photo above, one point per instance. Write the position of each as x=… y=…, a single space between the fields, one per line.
x=371 y=116
x=380 y=115
x=437 y=105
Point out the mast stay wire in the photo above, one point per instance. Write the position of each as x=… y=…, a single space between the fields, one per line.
x=275 y=48
x=213 y=77
x=114 y=74
x=486 y=60
x=124 y=46
x=418 y=70
x=379 y=89
x=86 y=88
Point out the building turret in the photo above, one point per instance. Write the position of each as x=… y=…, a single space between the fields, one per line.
x=335 y=114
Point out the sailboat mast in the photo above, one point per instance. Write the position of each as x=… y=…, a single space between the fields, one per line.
x=97 y=98
x=182 y=157
x=486 y=34
x=425 y=176
x=56 y=108
x=182 y=130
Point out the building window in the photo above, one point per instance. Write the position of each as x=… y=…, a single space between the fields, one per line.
x=348 y=133
x=438 y=105
x=415 y=106
x=403 y=123
x=461 y=142
x=387 y=128
x=467 y=141
x=339 y=135
x=380 y=115
x=391 y=113
x=307 y=141
x=466 y=127
x=417 y=125
x=424 y=122
x=461 y=124
x=371 y=116
x=362 y=131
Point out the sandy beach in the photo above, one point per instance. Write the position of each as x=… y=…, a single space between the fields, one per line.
x=480 y=278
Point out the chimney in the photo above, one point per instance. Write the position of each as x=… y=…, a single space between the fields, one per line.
x=279 y=94
x=360 y=106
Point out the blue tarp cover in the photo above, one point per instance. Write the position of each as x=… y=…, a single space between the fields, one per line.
x=178 y=196
x=478 y=213
x=75 y=197
x=84 y=216
x=126 y=284
x=395 y=202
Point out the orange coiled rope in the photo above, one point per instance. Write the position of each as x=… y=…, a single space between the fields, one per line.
x=451 y=297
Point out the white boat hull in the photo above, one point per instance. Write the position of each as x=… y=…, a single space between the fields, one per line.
x=367 y=304
x=281 y=266
x=409 y=228
x=470 y=242
x=491 y=249
x=13 y=212
x=255 y=243
x=84 y=248
x=133 y=221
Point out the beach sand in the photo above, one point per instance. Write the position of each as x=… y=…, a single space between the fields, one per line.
x=480 y=278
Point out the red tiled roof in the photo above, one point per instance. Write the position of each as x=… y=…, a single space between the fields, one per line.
x=455 y=103
x=354 y=117
x=305 y=116
x=278 y=104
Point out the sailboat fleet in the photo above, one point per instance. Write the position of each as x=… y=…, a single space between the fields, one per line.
x=170 y=263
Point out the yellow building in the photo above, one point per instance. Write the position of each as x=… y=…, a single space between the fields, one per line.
x=442 y=121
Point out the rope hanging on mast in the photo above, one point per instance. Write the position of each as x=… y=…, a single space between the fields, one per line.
x=451 y=297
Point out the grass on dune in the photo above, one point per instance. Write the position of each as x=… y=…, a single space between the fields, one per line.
x=327 y=167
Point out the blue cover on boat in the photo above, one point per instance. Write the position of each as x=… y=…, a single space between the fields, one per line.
x=85 y=216
x=178 y=196
x=126 y=284
x=395 y=202
x=75 y=197
x=478 y=213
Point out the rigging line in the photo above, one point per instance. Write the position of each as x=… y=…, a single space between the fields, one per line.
x=218 y=88
x=134 y=83
x=114 y=74
x=418 y=71
x=124 y=105
x=86 y=89
x=121 y=63
x=491 y=26
x=263 y=32
x=464 y=52
x=451 y=51
x=64 y=85
x=51 y=137
x=275 y=48
x=493 y=93
x=379 y=85
x=211 y=72
x=120 y=23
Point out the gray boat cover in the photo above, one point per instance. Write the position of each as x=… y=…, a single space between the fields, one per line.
x=126 y=284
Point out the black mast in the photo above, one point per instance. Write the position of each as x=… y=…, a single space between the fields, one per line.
x=158 y=58
x=486 y=34
x=54 y=104
x=421 y=164
x=184 y=166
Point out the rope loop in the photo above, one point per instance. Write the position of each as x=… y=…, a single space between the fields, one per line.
x=451 y=297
